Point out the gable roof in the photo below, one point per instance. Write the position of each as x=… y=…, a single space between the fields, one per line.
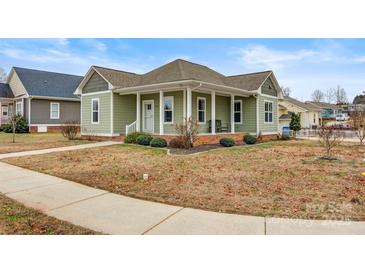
x=250 y=81
x=118 y=77
x=48 y=84
x=182 y=70
x=5 y=91
x=323 y=105
x=306 y=106
x=179 y=70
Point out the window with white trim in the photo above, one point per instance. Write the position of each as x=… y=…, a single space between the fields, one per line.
x=168 y=109
x=19 y=108
x=268 y=111
x=55 y=110
x=95 y=111
x=4 y=111
x=238 y=111
x=201 y=109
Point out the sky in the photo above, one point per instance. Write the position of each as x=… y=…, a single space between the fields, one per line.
x=301 y=64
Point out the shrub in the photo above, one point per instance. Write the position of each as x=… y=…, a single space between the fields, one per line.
x=21 y=125
x=158 y=142
x=131 y=138
x=176 y=142
x=227 y=142
x=144 y=140
x=249 y=139
x=70 y=130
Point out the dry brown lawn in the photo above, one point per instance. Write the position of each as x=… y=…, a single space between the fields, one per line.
x=18 y=219
x=33 y=141
x=271 y=179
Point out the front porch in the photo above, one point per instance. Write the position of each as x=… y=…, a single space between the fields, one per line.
x=158 y=112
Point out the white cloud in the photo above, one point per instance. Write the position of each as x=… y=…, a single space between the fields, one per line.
x=260 y=56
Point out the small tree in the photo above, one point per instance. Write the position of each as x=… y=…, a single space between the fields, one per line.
x=329 y=138
x=70 y=129
x=14 y=121
x=358 y=123
x=187 y=132
x=295 y=125
x=317 y=96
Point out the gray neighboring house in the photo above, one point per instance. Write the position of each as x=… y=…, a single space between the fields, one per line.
x=44 y=98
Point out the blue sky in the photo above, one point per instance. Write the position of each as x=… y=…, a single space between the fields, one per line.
x=301 y=64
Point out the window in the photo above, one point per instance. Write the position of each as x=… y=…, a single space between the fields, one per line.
x=19 y=108
x=95 y=111
x=268 y=112
x=4 y=111
x=238 y=111
x=168 y=110
x=314 y=118
x=55 y=111
x=201 y=108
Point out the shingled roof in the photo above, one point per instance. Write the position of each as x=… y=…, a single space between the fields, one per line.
x=179 y=70
x=250 y=81
x=359 y=100
x=5 y=91
x=49 y=84
x=322 y=105
x=306 y=106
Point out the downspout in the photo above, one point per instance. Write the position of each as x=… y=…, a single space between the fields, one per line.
x=257 y=115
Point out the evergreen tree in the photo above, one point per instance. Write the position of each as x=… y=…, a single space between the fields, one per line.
x=295 y=123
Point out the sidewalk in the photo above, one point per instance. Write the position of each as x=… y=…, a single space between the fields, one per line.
x=110 y=213
x=57 y=149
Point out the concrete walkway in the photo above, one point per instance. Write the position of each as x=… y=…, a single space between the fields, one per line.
x=110 y=213
x=57 y=149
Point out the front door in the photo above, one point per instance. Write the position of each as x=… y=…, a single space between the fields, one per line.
x=148 y=115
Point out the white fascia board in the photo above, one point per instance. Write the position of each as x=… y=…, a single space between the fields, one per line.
x=54 y=98
x=87 y=77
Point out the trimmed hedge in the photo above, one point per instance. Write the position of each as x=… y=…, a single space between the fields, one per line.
x=249 y=139
x=131 y=138
x=158 y=142
x=227 y=142
x=144 y=140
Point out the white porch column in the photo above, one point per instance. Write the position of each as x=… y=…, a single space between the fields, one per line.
x=188 y=103
x=232 y=113
x=138 y=110
x=213 y=112
x=184 y=105
x=161 y=112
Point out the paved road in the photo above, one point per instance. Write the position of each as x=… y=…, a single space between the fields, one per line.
x=110 y=213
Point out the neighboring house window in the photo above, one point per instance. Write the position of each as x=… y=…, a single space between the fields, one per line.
x=268 y=112
x=19 y=108
x=168 y=110
x=95 y=113
x=4 y=111
x=55 y=110
x=238 y=111
x=314 y=118
x=201 y=108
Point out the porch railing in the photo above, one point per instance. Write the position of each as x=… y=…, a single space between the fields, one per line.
x=131 y=128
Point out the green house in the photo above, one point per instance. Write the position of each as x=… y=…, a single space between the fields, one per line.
x=115 y=103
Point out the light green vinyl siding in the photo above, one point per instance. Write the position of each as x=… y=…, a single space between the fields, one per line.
x=268 y=127
x=178 y=111
x=95 y=83
x=223 y=109
x=203 y=128
x=268 y=88
x=104 y=116
x=124 y=111
x=248 y=115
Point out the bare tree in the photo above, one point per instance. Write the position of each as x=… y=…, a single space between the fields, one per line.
x=330 y=96
x=358 y=123
x=286 y=90
x=317 y=96
x=340 y=95
x=14 y=120
x=70 y=129
x=2 y=75
x=187 y=132
x=329 y=138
